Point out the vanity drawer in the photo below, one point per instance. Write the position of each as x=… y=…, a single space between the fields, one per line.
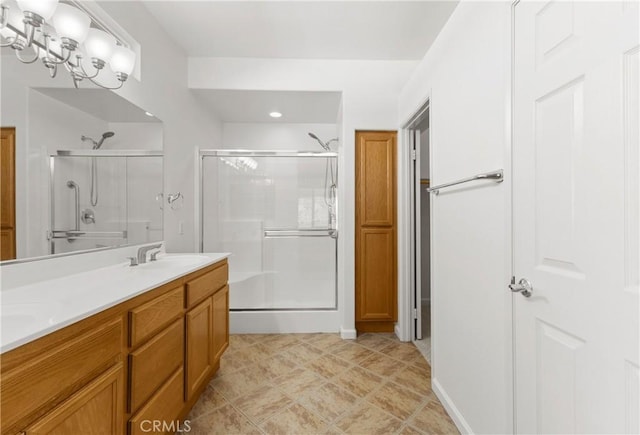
x=164 y=406
x=43 y=382
x=153 y=363
x=203 y=286
x=149 y=318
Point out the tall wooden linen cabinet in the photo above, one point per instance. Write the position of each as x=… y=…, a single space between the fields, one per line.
x=376 y=232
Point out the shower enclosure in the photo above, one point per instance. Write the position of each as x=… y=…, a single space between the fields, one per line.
x=275 y=212
x=129 y=210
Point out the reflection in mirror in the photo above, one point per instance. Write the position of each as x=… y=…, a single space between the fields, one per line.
x=88 y=168
x=104 y=198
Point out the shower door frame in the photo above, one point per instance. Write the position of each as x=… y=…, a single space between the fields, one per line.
x=217 y=153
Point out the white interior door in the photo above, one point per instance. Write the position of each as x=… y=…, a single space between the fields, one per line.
x=576 y=221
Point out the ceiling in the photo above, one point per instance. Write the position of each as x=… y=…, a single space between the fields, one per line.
x=101 y=103
x=372 y=30
x=255 y=106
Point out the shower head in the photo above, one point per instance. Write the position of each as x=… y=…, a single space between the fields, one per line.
x=324 y=145
x=71 y=184
x=87 y=138
x=106 y=135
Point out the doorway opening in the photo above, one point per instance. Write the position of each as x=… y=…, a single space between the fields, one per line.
x=420 y=229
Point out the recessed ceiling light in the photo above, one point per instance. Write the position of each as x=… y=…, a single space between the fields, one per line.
x=149 y=114
x=275 y=115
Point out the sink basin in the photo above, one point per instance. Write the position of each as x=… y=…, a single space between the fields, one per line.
x=26 y=313
x=175 y=260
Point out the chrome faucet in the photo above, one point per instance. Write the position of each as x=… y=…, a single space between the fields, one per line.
x=142 y=252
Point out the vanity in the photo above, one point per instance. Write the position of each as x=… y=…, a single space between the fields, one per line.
x=122 y=350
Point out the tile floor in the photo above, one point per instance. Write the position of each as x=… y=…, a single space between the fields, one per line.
x=319 y=384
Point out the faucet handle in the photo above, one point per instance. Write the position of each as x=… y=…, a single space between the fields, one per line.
x=154 y=255
x=133 y=261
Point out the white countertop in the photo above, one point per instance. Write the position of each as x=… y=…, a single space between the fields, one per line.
x=35 y=310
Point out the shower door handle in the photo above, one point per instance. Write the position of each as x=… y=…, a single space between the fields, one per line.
x=298 y=232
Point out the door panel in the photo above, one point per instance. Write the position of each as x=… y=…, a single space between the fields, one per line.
x=376 y=300
x=375 y=177
x=575 y=216
x=200 y=354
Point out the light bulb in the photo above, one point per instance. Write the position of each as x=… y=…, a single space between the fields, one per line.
x=43 y=8
x=71 y=23
x=122 y=60
x=99 y=45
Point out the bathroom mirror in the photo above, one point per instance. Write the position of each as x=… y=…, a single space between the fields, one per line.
x=88 y=169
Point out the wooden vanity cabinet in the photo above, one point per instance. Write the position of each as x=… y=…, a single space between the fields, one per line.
x=95 y=409
x=148 y=358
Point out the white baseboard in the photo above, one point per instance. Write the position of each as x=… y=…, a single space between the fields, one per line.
x=451 y=409
x=398 y=332
x=283 y=322
x=348 y=334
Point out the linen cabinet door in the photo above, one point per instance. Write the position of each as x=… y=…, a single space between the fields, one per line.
x=199 y=350
x=376 y=232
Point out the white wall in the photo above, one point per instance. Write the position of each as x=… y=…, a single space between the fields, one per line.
x=369 y=102
x=465 y=75
x=276 y=136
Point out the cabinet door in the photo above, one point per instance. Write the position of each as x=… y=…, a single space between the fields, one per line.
x=95 y=409
x=199 y=346
x=375 y=249
x=376 y=299
x=220 y=322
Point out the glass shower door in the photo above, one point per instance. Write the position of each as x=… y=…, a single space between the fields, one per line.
x=270 y=210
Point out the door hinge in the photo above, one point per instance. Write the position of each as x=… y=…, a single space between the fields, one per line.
x=414 y=154
x=415 y=313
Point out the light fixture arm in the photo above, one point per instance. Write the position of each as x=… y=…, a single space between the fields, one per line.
x=36 y=52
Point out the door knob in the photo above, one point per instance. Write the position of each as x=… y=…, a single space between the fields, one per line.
x=524 y=287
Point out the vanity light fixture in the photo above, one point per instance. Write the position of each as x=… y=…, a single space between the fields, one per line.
x=61 y=34
x=275 y=115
